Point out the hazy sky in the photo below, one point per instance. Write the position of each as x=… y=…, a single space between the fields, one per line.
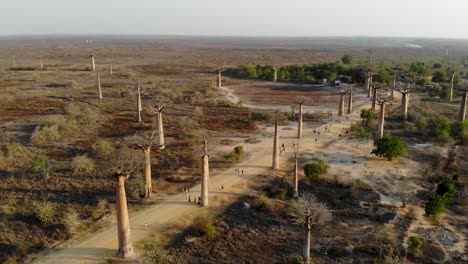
x=420 y=18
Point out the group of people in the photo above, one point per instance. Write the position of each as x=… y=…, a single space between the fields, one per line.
x=239 y=171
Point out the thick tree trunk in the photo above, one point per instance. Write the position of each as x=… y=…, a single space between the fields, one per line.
x=204 y=184
x=219 y=79
x=275 y=74
x=392 y=93
x=374 y=98
x=404 y=105
x=123 y=225
x=139 y=108
x=275 y=163
x=93 y=64
x=306 y=253
x=341 y=106
x=451 y=86
x=350 y=102
x=159 y=120
x=299 y=125
x=99 y=85
x=380 y=130
x=110 y=69
x=14 y=63
x=148 y=181
x=462 y=114
x=296 y=180
x=42 y=65
x=368 y=86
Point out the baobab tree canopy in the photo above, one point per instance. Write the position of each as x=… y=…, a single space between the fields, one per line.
x=308 y=211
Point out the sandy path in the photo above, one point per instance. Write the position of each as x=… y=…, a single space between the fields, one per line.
x=97 y=246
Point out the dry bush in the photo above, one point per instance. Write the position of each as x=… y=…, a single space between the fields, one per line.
x=16 y=157
x=82 y=165
x=161 y=256
x=263 y=203
x=45 y=212
x=204 y=225
x=71 y=221
x=102 y=147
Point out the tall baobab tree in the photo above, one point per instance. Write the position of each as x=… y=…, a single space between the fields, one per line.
x=110 y=69
x=275 y=74
x=93 y=64
x=404 y=100
x=368 y=82
x=157 y=107
x=139 y=106
x=98 y=79
x=296 y=172
x=374 y=95
x=462 y=114
x=42 y=64
x=300 y=100
x=220 y=84
x=452 y=79
x=383 y=99
x=350 y=101
x=275 y=162
x=121 y=165
x=146 y=141
x=205 y=173
x=343 y=92
x=308 y=212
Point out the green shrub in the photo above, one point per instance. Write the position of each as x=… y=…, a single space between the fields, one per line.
x=204 y=224
x=239 y=151
x=446 y=189
x=283 y=194
x=389 y=147
x=445 y=94
x=368 y=114
x=360 y=131
x=160 y=256
x=440 y=125
x=45 y=212
x=314 y=170
x=82 y=165
x=435 y=206
x=263 y=203
x=42 y=164
x=414 y=244
x=102 y=147
x=135 y=187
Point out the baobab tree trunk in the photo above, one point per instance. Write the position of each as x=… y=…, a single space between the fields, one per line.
x=14 y=63
x=93 y=64
x=99 y=85
x=275 y=162
x=123 y=225
x=139 y=107
x=374 y=98
x=219 y=79
x=404 y=105
x=110 y=69
x=350 y=102
x=160 y=129
x=306 y=253
x=341 y=106
x=299 y=123
x=296 y=180
x=204 y=184
x=42 y=65
x=275 y=74
x=368 y=88
x=451 y=86
x=380 y=130
x=148 y=181
x=462 y=114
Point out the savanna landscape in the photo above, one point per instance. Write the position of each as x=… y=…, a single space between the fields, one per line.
x=153 y=149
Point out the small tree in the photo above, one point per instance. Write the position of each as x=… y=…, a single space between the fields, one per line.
x=42 y=164
x=439 y=76
x=446 y=190
x=414 y=244
x=389 y=147
x=314 y=170
x=435 y=206
x=347 y=59
x=308 y=212
x=368 y=114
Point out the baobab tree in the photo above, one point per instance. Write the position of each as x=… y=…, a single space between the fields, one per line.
x=404 y=90
x=275 y=74
x=42 y=65
x=146 y=141
x=343 y=92
x=98 y=79
x=110 y=69
x=93 y=64
x=308 y=212
x=300 y=100
x=157 y=107
x=139 y=106
x=220 y=78
x=452 y=79
x=382 y=101
x=462 y=114
x=368 y=82
x=374 y=95
x=275 y=162
x=121 y=165
x=205 y=173
x=350 y=100
x=296 y=172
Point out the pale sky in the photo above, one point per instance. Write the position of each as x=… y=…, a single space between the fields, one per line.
x=399 y=18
